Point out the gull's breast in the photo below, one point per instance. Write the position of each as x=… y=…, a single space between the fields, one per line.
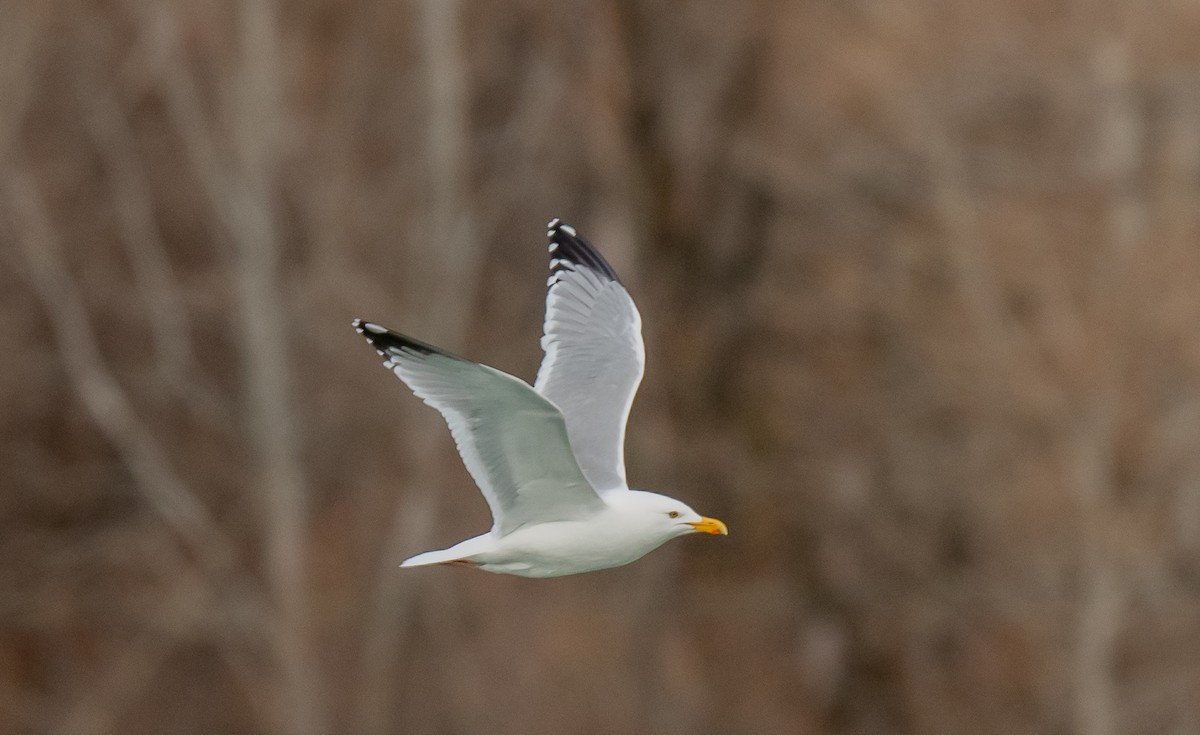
x=569 y=547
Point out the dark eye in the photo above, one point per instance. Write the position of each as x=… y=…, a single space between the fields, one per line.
x=673 y=514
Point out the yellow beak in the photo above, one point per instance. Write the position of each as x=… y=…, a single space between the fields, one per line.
x=710 y=525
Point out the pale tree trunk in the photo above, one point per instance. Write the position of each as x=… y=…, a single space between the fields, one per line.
x=1111 y=295
x=257 y=112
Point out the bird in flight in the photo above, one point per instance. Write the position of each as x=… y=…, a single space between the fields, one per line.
x=550 y=458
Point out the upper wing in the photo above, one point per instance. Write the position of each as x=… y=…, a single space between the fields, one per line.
x=594 y=355
x=513 y=442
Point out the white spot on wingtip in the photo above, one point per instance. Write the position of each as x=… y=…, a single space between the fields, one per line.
x=553 y=223
x=374 y=328
x=553 y=245
x=569 y=230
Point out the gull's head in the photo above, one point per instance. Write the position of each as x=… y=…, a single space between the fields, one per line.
x=668 y=516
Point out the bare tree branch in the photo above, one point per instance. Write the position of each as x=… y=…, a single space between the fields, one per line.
x=97 y=388
x=242 y=195
x=134 y=205
x=264 y=328
x=135 y=216
x=1112 y=293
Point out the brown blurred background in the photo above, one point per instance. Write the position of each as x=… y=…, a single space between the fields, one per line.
x=921 y=292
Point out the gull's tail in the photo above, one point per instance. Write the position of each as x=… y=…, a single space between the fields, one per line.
x=441 y=556
x=464 y=552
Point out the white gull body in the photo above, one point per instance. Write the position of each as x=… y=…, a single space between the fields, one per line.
x=549 y=458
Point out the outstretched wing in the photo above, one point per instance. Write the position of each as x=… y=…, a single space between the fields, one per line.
x=512 y=440
x=594 y=355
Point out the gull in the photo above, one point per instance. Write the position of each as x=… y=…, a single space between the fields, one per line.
x=550 y=458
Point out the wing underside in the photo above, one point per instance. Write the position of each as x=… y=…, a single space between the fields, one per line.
x=594 y=355
x=512 y=440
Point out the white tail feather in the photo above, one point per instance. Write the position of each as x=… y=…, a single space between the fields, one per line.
x=441 y=556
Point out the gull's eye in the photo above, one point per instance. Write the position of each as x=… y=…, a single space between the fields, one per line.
x=673 y=514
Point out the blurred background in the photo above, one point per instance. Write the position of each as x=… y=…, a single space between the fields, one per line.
x=921 y=292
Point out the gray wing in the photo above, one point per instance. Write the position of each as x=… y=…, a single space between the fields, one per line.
x=512 y=440
x=594 y=355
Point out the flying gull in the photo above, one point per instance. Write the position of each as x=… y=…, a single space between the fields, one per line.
x=550 y=457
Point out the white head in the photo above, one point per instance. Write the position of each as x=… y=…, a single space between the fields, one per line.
x=666 y=516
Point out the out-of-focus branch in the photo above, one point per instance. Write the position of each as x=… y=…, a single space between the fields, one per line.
x=256 y=108
x=979 y=286
x=452 y=235
x=1100 y=605
x=100 y=392
x=191 y=607
x=40 y=256
x=1182 y=425
x=188 y=115
x=239 y=613
x=1111 y=296
x=389 y=614
x=241 y=192
x=113 y=413
x=134 y=207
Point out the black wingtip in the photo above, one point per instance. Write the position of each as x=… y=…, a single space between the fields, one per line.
x=567 y=248
x=383 y=339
